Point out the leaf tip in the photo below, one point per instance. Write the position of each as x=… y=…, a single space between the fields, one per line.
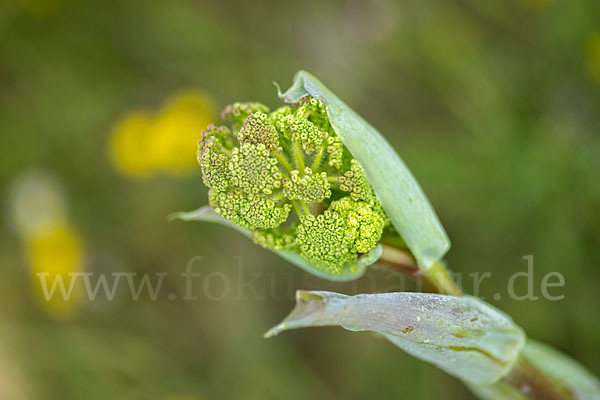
x=279 y=94
x=306 y=303
x=274 y=331
x=174 y=216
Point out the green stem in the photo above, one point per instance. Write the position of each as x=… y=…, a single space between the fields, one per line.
x=286 y=165
x=399 y=258
x=304 y=207
x=318 y=158
x=299 y=157
x=527 y=378
x=297 y=209
x=301 y=208
x=438 y=275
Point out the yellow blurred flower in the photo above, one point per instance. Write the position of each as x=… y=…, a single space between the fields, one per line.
x=592 y=57
x=53 y=253
x=143 y=144
x=128 y=139
x=51 y=246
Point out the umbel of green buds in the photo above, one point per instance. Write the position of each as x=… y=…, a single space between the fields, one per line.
x=286 y=176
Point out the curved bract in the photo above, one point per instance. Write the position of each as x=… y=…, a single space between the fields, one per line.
x=355 y=271
x=399 y=193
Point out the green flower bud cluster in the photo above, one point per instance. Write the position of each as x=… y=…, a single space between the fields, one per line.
x=288 y=178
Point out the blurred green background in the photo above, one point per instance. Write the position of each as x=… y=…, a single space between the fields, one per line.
x=495 y=106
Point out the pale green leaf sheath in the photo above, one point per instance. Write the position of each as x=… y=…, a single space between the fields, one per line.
x=461 y=335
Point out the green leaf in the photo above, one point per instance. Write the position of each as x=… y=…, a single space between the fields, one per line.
x=557 y=367
x=354 y=271
x=563 y=369
x=497 y=391
x=399 y=193
x=463 y=336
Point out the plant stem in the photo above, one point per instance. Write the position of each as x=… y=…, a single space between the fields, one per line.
x=529 y=380
x=286 y=165
x=441 y=279
x=299 y=157
x=304 y=207
x=437 y=274
x=398 y=259
x=297 y=209
x=318 y=158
